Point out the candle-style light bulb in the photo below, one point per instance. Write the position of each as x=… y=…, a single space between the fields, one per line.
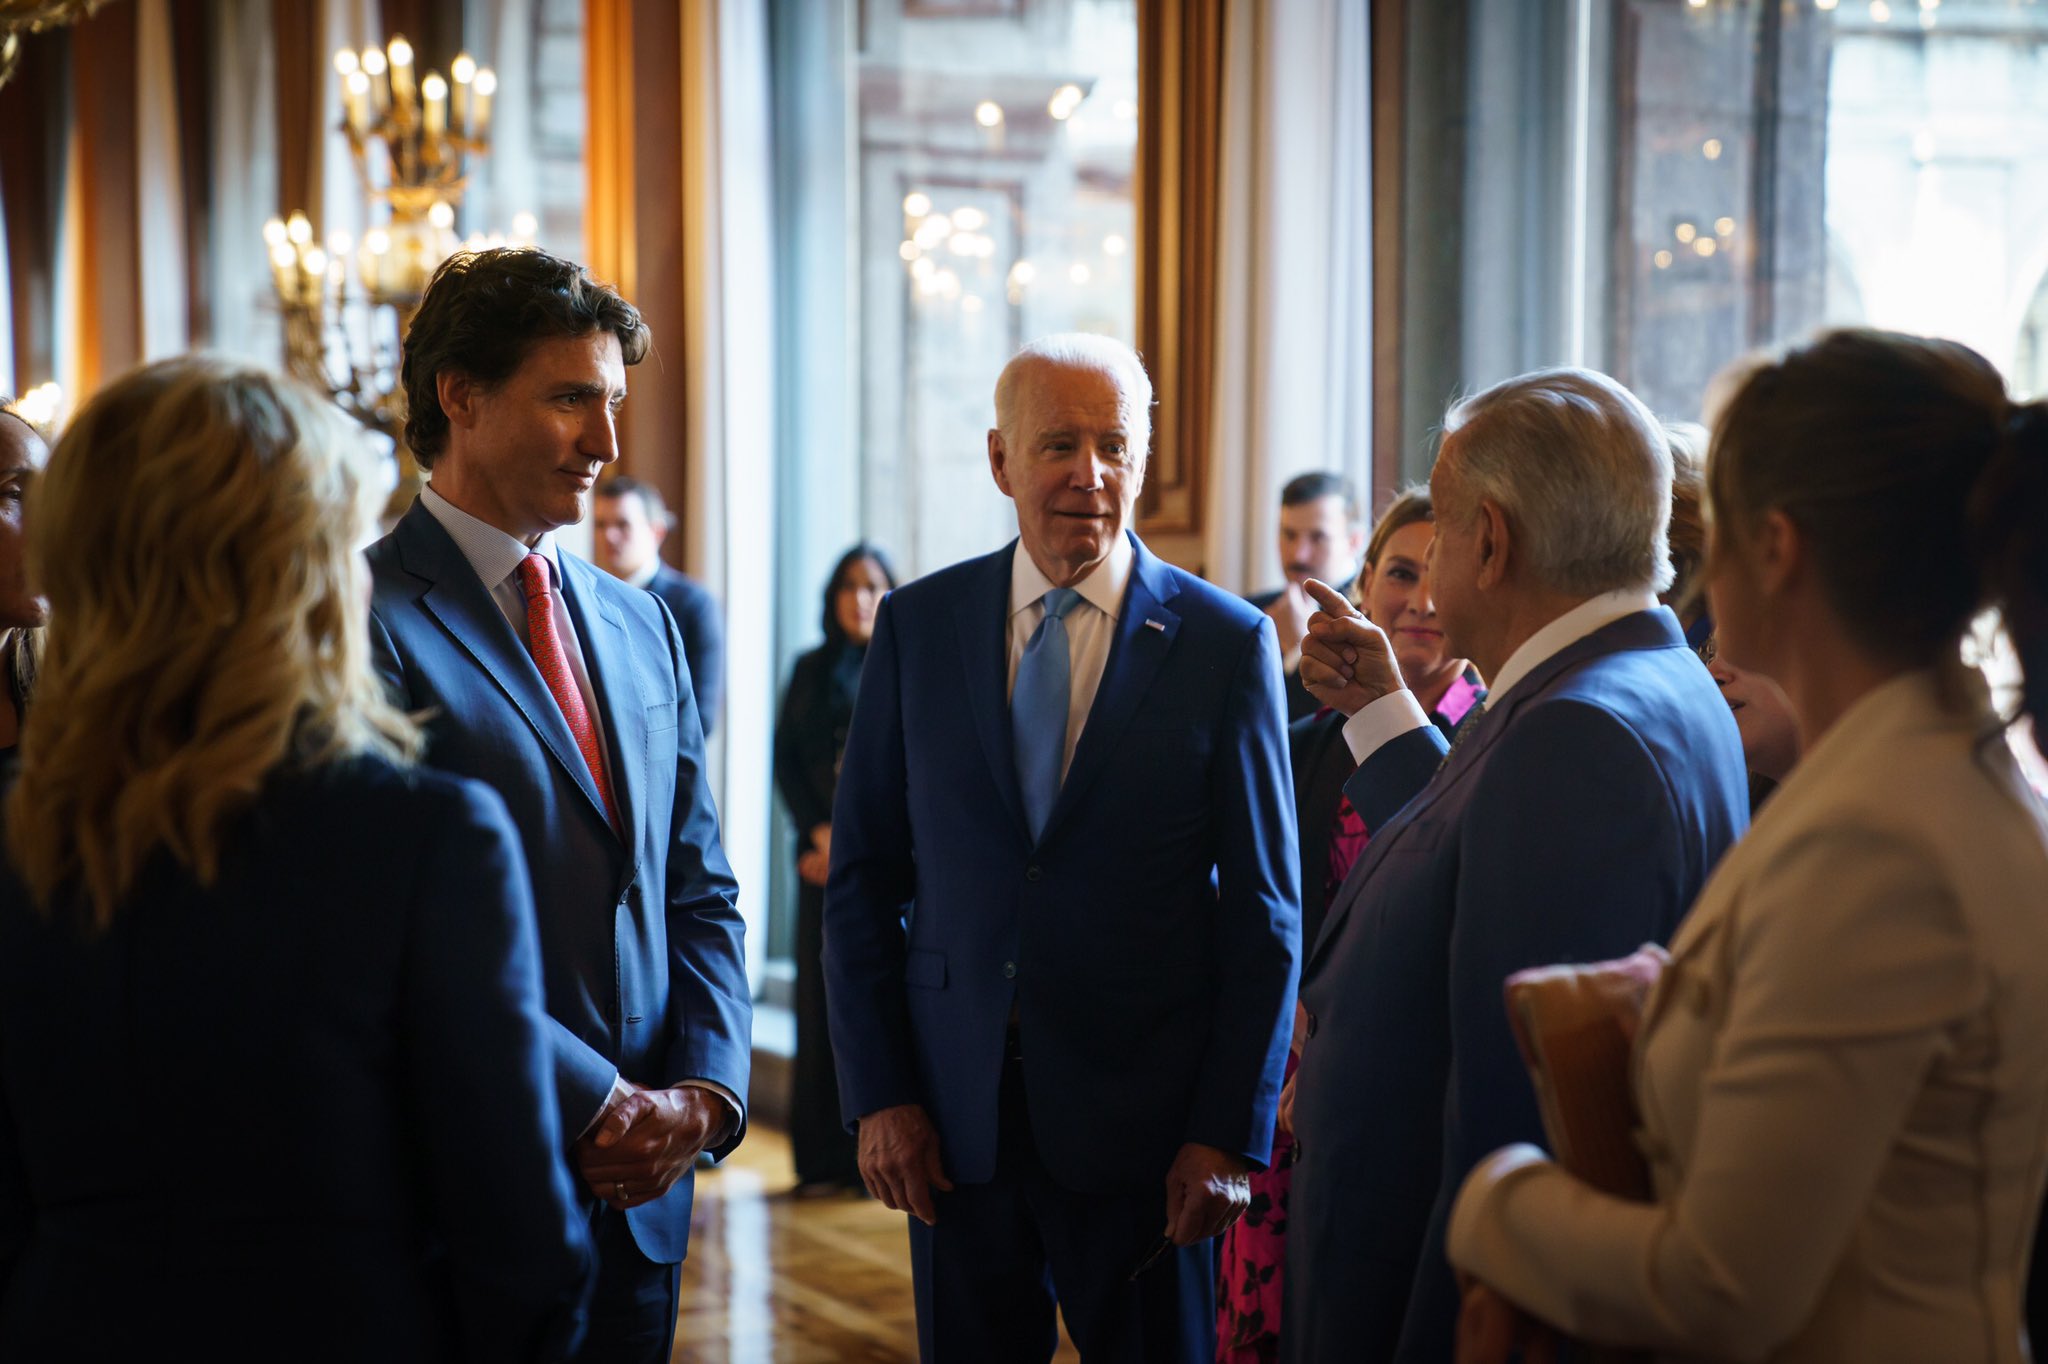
x=434 y=91
x=346 y=63
x=401 y=70
x=462 y=70
x=298 y=229
x=485 y=86
x=378 y=70
x=274 y=234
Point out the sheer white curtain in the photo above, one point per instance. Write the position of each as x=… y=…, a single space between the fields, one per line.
x=729 y=377
x=1293 y=381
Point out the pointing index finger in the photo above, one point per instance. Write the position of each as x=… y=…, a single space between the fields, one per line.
x=1328 y=599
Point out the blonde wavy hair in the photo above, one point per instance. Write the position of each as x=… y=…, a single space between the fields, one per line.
x=196 y=534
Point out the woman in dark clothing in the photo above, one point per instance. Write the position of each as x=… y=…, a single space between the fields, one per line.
x=810 y=735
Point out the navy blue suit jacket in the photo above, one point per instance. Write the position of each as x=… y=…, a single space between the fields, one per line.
x=1576 y=823
x=1148 y=941
x=703 y=638
x=305 y=1112
x=640 y=937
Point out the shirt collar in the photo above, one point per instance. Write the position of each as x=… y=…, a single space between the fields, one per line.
x=1102 y=589
x=1569 y=628
x=491 y=552
x=646 y=575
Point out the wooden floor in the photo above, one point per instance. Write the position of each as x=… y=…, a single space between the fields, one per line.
x=794 y=1281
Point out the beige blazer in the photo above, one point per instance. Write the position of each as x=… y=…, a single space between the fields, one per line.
x=1843 y=1077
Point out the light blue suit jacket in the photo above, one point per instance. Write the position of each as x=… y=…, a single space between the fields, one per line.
x=640 y=938
x=1147 y=941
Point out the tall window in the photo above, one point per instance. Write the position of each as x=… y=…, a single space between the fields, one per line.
x=954 y=177
x=1783 y=166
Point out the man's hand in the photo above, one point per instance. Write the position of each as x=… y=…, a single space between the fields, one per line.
x=1206 y=1190
x=1290 y=612
x=1346 y=662
x=646 y=1141
x=1491 y=1329
x=899 y=1160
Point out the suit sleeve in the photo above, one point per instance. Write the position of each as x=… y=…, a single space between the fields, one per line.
x=1851 y=967
x=711 y=1010
x=704 y=646
x=1569 y=852
x=1258 y=913
x=479 y=1071
x=1394 y=774
x=872 y=883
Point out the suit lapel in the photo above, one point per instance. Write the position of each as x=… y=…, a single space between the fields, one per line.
x=465 y=609
x=608 y=658
x=983 y=620
x=1639 y=630
x=1145 y=630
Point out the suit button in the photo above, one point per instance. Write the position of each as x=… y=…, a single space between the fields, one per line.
x=1009 y=970
x=1311 y=1025
x=1034 y=873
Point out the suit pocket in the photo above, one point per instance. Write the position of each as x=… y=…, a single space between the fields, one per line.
x=926 y=970
x=661 y=715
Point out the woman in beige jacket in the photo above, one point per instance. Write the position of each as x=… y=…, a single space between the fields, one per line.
x=1843 y=1074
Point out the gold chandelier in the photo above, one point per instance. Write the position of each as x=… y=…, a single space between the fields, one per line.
x=414 y=139
x=33 y=16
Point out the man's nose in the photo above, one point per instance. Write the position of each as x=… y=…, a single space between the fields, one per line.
x=1088 y=470
x=601 y=437
x=1424 y=600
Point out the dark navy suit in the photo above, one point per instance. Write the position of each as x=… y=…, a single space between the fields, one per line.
x=640 y=938
x=1147 y=943
x=1576 y=823
x=303 y=1113
x=703 y=635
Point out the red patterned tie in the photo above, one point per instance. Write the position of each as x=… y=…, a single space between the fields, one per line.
x=548 y=655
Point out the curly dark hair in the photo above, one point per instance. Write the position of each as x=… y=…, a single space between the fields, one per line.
x=482 y=313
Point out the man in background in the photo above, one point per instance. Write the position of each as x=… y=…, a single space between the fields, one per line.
x=1322 y=536
x=628 y=526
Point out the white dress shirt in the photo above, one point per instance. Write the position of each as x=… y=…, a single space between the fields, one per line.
x=1091 y=627
x=496 y=557
x=1399 y=712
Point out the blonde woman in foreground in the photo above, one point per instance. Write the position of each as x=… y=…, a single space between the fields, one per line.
x=1843 y=1074
x=272 y=1075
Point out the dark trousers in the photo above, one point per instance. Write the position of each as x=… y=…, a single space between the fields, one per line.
x=825 y=1151
x=1003 y=1253
x=633 y=1306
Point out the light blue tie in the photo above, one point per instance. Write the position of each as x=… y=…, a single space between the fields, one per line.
x=1038 y=709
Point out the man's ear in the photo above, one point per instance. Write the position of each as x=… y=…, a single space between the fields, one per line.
x=1492 y=544
x=458 y=394
x=997 y=456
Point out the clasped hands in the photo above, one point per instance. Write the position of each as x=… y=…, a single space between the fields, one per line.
x=1206 y=1190
x=1346 y=662
x=647 y=1140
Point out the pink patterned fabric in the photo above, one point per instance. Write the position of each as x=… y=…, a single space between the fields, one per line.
x=537 y=581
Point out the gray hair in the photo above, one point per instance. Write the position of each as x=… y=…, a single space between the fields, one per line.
x=1581 y=470
x=1080 y=350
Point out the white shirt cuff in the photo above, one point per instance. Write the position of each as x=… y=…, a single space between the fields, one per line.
x=1382 y=722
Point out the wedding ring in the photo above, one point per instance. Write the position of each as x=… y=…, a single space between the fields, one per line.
x=620 y=1190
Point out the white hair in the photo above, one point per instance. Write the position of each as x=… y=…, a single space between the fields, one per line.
x=1085 y=351
x=1581 y=470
